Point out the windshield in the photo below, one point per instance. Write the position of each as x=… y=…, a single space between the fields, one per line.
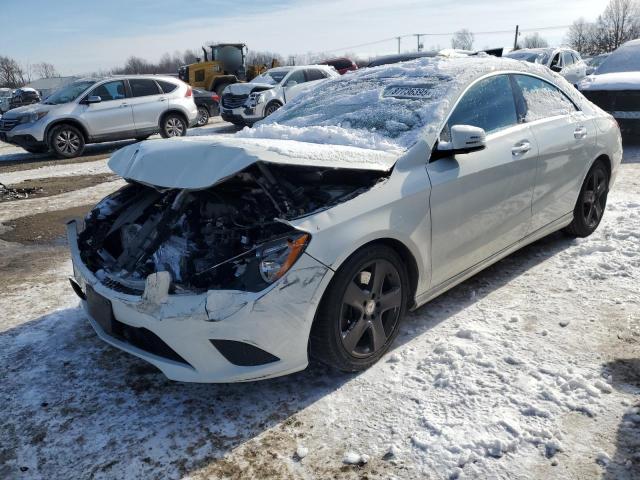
x=69 y=93
x=624 y=59
x=272 y=77
x=531 y=57
x=5 y=94
x=383 y=108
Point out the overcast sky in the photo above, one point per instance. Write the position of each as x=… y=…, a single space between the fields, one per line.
x=80 y=36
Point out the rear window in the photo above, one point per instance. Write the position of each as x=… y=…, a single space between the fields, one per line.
x=141 y=87
x=167 y=87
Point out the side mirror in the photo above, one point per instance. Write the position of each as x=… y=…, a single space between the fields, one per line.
x=291 y=83
x=93 y=99
x=464 y=139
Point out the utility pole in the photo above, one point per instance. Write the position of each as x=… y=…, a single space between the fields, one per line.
x=398 y=44
x=419 y=45
x=515 y=40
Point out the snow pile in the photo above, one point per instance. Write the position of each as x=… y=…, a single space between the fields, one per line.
x=387 y=107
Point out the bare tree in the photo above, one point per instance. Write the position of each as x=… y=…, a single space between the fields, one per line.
x=255 y=57
x=462 y=40
x=11 y=74
x=534 y=41
x=45 y=70
x=580 y=36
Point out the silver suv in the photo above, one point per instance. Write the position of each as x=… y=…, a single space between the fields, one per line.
x=101 y=110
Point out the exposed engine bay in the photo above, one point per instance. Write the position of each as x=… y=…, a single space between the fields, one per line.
x=233 y=235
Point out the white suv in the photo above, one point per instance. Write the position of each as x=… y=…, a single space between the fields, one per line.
x=101 y=110
x=246 y=103
x=565 y=61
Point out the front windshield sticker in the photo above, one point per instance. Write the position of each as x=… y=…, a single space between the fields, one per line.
x=409 y=92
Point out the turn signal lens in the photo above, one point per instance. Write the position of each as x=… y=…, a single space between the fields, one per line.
x=278 y=257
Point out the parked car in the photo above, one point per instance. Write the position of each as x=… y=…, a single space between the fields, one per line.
x=101 y=110
x=565 y=61
x=594 y=62
x=247 y=103
x=24 y=96
x=5 y=99
x=342 y=64
x=366 y=197
x=208 y=104
x=401 y=57
x=615 y=87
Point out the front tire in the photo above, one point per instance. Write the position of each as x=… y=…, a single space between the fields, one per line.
x=173 y=125
x=66 y=141
x=360 y=314
x=272 y=107
x=591 y=203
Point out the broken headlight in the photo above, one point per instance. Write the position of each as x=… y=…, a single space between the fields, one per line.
x=277 y=257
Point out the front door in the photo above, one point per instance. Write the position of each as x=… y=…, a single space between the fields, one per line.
x=481 y=201
x=112 y=116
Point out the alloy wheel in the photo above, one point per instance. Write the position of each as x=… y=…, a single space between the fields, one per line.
x=174 y=127
x=203 y=116
x=67 y=142
x=594 y=198
x=370 y=308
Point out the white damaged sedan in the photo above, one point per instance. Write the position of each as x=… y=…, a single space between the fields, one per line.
x=239 y=258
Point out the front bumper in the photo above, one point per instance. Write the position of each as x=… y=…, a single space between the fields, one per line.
x=25 y=134
x=241 y=115
x=276 y=320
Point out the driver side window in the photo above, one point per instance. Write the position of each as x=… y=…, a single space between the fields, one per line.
x=297 y=76
x=488 y=104
x=110 y=91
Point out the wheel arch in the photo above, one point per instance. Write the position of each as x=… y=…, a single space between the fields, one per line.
x=66 y=121
x=173 y=111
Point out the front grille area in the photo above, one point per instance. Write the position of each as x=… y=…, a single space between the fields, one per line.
x=233 y=101
x=615 y=100
x=7 y=124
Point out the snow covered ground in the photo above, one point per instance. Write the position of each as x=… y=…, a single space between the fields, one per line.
x=530 y=369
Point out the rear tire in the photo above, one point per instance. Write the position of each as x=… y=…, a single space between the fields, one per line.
x=203 y=116
x=173 y=125
x=591 y=202
x=360 y=313
x=66 y=141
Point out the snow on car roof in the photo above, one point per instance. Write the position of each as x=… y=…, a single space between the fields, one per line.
x=389 y=107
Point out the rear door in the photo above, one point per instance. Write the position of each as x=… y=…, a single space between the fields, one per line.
x=149 y=102
x=112 y=117
x=566 y=141
x=481 y=201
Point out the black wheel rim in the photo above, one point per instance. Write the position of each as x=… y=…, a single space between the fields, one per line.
x=370 y=309
x=594 y=198
x=270 y=110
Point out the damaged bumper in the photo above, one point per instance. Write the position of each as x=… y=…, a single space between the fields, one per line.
x=216 y=336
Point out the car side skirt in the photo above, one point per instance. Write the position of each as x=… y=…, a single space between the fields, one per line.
x=471 y=271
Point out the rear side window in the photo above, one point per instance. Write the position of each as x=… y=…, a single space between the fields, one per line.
x=167 y=87
x=541 y=99
x=110 y=91
x=567 y=59
x=488 y=104
x=315 y=74
x=141 y=87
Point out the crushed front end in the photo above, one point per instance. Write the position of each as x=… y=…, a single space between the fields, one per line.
x=210 y=285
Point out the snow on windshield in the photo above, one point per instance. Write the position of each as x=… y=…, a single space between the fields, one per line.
x=624 y=59
x=383 y=108
x=389 y=107
x=272 y=77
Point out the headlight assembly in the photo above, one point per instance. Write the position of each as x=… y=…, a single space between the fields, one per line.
x=256 y=98
x=277 y=257
x=32 y=117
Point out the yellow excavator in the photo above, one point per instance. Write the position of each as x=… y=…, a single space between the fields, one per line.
x=224 y=64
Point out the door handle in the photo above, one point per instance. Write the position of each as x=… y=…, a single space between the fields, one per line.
x=162 y=100
x=124 y=105
x=520 y=148
x=579 y=133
